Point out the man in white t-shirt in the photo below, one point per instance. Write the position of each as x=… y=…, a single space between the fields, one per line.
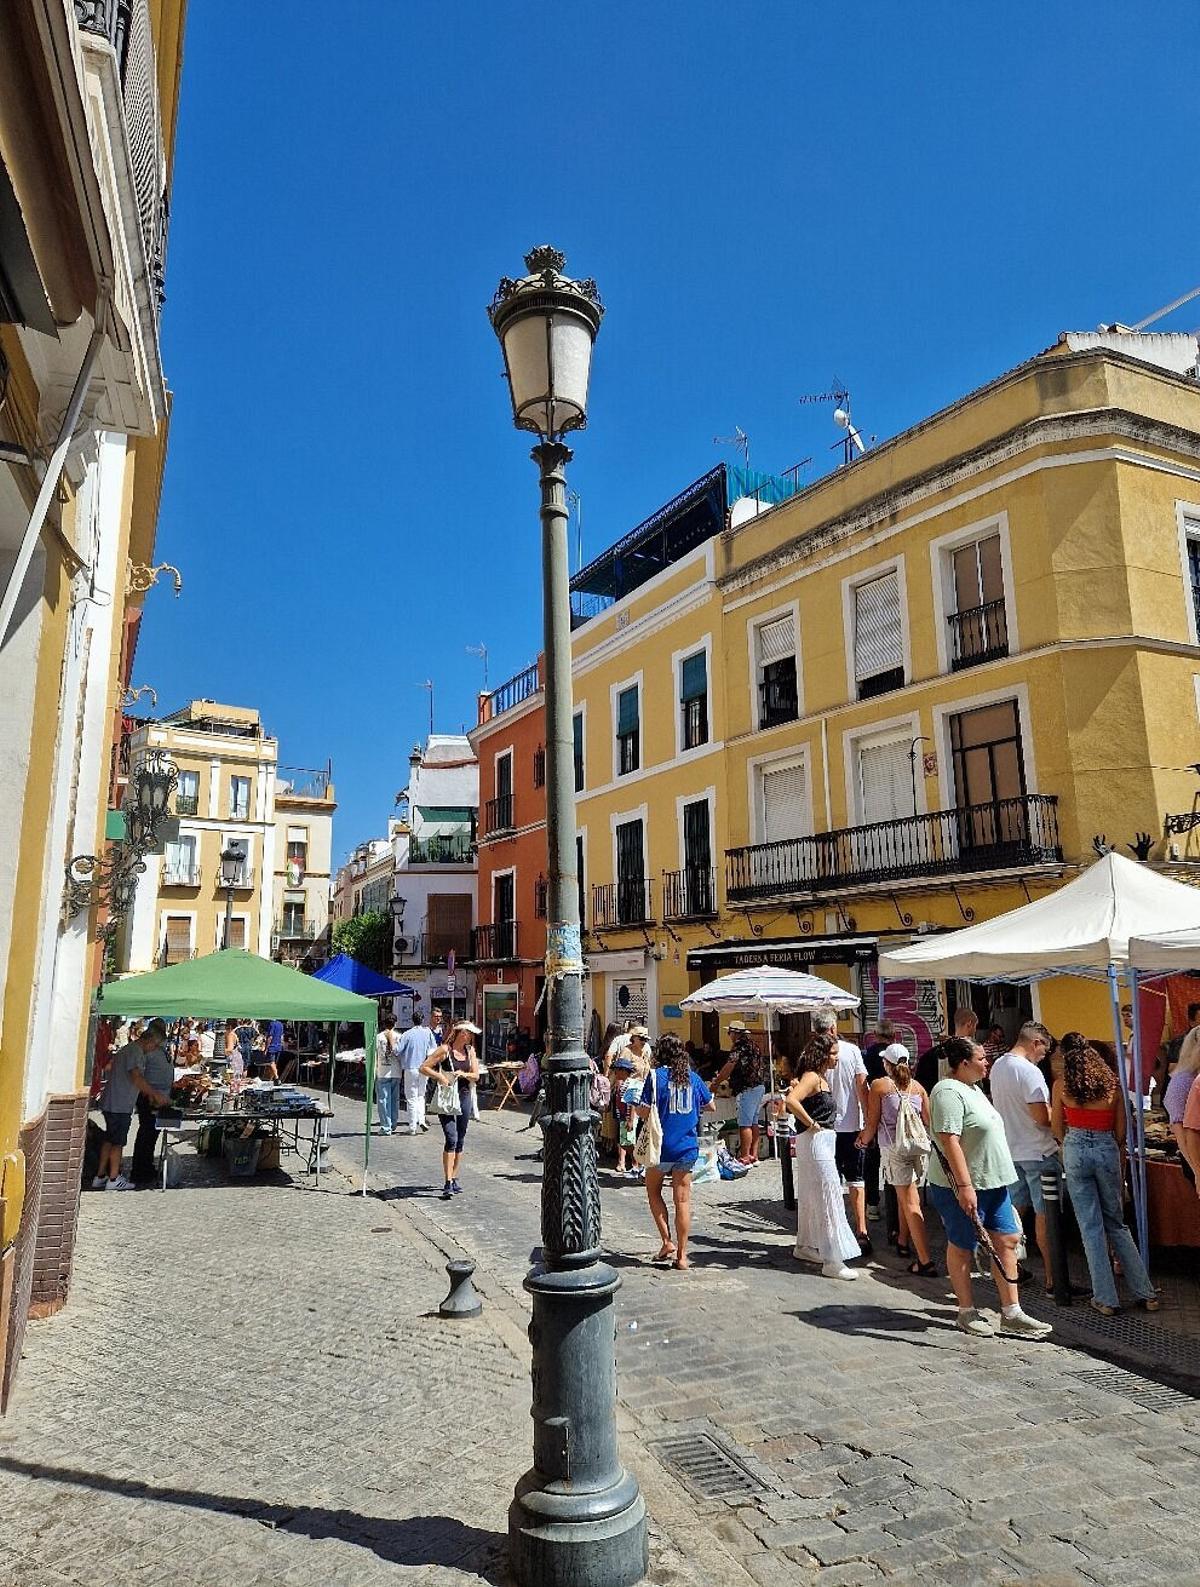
x=1022 y=1098
x=848 y=1083
x=413 y=1048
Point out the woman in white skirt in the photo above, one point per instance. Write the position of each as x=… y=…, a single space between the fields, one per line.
x=822 y=1232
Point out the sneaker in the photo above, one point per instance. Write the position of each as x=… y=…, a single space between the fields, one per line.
x=424 y=1127
x=385 y=1132
x=100 y=1182
x=806 y=1253
x=872 y=1213
x=974 y=1322
x=455 y=1187
x=837 y=1270
x=119 y=1183
x=447 y=1191
x=1024 y=1327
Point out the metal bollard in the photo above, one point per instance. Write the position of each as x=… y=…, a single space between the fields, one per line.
x=787 y=1152
x=1059 y=1274
x=462 y=1301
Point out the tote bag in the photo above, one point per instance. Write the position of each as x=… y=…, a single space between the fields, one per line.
x=912 y=1138
x=445 y=1097
x=648 y=1148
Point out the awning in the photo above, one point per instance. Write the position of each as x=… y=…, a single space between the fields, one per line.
x=790 y=953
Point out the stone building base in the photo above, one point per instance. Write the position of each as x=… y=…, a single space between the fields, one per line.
x=31 y=1142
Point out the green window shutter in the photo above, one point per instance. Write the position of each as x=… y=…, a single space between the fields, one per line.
x=694 y=677
x=627 y=711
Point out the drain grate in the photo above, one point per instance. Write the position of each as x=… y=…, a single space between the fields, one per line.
x=707 y=1468
x=1145 y=1392
x=1174 y=1351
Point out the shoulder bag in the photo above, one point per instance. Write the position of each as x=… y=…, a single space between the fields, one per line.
x=647 y=1149
x=912 y=1138
x=445 y=1095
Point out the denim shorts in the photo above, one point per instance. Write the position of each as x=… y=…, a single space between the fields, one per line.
x=749 y=1103
x=116 y=1127
x=681 y=1165
x=995 y=1213
x=1026 y=1189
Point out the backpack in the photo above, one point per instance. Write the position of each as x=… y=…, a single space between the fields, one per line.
x=600 y=1094
x=912 y=1138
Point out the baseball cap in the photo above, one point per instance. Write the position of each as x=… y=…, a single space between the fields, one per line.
x=897 y=1053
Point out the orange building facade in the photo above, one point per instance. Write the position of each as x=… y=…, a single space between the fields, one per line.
x=508 y=945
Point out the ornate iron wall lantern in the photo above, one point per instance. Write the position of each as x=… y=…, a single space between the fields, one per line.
x=111 y=879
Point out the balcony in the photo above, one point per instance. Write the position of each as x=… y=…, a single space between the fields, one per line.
x=187 y=804
x=242 y=882
x=295 y=931
x=514 y=692
x=978 y=634
x=180 y=876
x=690 y=894
x=778 y=701
x=1001 y=835
x=496 y=942
x=628 y=902
x=498 y=815
x=451 y=849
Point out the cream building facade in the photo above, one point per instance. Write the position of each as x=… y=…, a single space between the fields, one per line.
x=303 y=882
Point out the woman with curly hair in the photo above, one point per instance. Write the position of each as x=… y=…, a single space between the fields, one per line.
x=822 y=1232
x=680 y=1096
x=1088 y=1116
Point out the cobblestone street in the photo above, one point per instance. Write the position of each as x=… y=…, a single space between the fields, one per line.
x=247 y=1386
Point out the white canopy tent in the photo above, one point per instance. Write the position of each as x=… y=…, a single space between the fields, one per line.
x=768 y=990
x=1085 y=928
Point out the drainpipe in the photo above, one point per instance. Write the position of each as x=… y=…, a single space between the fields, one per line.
x=54 y=468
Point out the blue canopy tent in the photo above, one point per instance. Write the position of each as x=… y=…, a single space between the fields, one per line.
x=351 y=976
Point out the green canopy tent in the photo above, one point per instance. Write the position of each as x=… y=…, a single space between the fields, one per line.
x=234 y=984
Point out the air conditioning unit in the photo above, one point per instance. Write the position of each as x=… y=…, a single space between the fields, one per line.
x=403 y=945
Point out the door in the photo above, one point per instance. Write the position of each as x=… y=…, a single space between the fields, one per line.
x=989 y=782
x=631 y=874
x=888 y=842
x=697 y=851
x=503 y=913
x=979 y=627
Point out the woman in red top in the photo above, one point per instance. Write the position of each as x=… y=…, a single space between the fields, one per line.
x=1087 y=1115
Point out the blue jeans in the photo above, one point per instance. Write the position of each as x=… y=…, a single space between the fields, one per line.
x=387 y=1095
x=1093 y=1166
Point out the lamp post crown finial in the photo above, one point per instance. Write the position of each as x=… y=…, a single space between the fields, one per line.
x=544 y=258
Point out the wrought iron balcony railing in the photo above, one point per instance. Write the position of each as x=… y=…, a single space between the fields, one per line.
x=511 y=693
x=999 y=835
x=978 y=634
x=498 y=814
x=187 y=804
x=628 y=902
x=690 y=894
x=241 y=882
x=180 y=876
x=498 y=941
x=296 y=931
x=450 y=849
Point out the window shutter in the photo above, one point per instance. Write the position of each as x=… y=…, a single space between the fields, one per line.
x=784 y=796
x=627 y=711
x=237 y=932
x=179 y=937
x=777 y=640
x=630 y=1000
x=694 y=677
x=885 y=775
x=877 y=639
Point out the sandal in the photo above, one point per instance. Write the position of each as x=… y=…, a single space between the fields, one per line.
x=1151 y=1303
x=903 y=1250
x=923 y=1269
x=1098 y=1305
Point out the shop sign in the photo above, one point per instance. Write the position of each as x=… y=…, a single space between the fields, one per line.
x=783 y=955
x=672 y=1011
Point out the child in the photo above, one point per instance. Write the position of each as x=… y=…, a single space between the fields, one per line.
x=632 y=1086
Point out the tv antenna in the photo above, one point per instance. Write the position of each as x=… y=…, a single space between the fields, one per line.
x=1176 y=303
x=480 y=650
x=837 y=394
x=428 y=684
x=739 y=440
x=841 y=417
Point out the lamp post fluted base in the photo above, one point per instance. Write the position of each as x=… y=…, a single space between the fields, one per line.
x=577 y=1518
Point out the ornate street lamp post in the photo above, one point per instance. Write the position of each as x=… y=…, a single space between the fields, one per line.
x=577 y=1518
x=231 y=875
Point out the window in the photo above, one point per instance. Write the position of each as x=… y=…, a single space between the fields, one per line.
x=240 y=847
x=778 y=692
x=885 y=781
x=539 y=766
x=577 y=735
x=179 y=862
x=541 y=898
x=628 y=731
x=631 y=873
x=293 y=916
x=783 y=791
x=985 y=746
x=239 y=798
x=447 y=925
x=878 y=636
x=978 y=624
x=177 y=943
x=297 y=855
x=187 y=794
x=693 y=701
x=579 y=875
x=697 y=860
x=237 y=932
x=1192 y=532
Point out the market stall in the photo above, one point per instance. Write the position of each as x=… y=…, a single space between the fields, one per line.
x=1174 y=1206
x=768 y=991
x=1085 y=928
x=234 y=984
x=352 y=976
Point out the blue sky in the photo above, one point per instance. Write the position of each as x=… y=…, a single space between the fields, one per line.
x=911 y=197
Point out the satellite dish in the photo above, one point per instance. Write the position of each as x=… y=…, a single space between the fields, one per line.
x=841 y=418
x=745 y=508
